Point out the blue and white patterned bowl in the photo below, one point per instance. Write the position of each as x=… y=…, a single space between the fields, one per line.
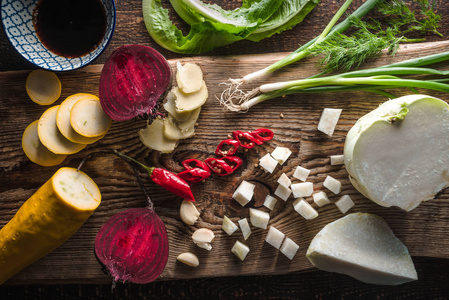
x=17 y=19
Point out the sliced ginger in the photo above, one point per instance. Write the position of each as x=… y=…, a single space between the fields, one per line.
x=153 y=137
x=43 y=87
x=192 y=101
x=36 y=151
x=189 y=77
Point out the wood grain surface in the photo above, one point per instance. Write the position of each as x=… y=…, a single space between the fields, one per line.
x=79 y=280
x=74 y=261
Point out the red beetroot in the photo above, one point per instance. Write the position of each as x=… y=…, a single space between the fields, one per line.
x=133 y=81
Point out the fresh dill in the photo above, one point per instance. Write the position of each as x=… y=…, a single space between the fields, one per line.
x=344 y=52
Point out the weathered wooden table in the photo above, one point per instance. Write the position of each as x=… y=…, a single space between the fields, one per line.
x=71 y=271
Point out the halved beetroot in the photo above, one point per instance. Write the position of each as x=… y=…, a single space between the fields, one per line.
x=134 y=80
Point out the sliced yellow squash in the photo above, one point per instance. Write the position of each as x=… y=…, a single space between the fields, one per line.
x=88 y=118
x=36 y=151
x=52 y=138
x=43 y=87
x=63 y=120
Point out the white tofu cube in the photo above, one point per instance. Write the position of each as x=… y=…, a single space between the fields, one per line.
x=289 y=248
x=281 y=154
x=332 y=184
x=303 y=189
x=268 y=163
x=259 y=218
x=337 y=160
x=228 y=226
x=270 y=201
x=328 y=120
x=284 y=180
x=244 y=227
x=283 y=192
x=240 y=250
x=305 y=209
x=344 y=204
x=274 y=237
x=321 y=199
x=244 y=193
x=301 y=173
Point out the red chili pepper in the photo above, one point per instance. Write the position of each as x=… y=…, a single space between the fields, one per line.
x=227 y=147
x=246 y=140
x=233 y=161
x=171 y=182
x=195 y=163
x=263 y=134
x=194 y=175
x=219 y=166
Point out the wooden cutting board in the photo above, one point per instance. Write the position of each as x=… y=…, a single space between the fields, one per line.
x=293 y=119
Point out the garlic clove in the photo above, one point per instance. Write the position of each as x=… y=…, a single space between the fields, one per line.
x=189 y=259
x=203 y=237
x=189 y=213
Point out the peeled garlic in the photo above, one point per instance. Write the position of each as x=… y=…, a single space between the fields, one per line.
x=189 y=259
x=189 y=213
x=203 y=237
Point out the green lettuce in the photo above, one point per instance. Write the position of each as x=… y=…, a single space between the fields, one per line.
x=290 y=13
x=212 y=26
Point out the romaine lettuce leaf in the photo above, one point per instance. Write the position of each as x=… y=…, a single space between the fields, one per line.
x=290 y=13
x=209 y=32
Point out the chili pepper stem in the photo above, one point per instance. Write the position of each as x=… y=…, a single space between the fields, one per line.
x=126 y=157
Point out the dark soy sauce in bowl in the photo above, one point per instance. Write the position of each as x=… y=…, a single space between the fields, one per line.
x=70 y=28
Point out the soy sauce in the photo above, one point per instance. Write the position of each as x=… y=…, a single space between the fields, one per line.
x=70 y=28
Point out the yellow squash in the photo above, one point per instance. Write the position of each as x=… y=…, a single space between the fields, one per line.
x=47 y=219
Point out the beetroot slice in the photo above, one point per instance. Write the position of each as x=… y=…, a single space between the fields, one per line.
x=133 y=246
x=134 y=80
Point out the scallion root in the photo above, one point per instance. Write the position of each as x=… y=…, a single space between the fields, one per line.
x=233 y=98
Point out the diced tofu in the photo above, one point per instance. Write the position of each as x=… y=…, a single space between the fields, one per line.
x=337 y=160
x=321 y=199
x=283 y=192
x=244 y=227
x=228 y=226
x=274 y=237
x=305 y=209
x=332 y=184
x=328 y=120
x=344 y=204
x=244 y=193
x=303 y=189
x=301 y=173
x=259 y=218
x=268 y=163
x=240 y=250
x=289 y=248
x=270 y=201
x=284 y=180
x=281 y=154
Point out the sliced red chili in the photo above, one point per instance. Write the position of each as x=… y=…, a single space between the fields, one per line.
x=263 y=134
x=227 y=147
x=233 y=161
x=194 y=175
x=219 y=166
x=246 y=140
x=195 y=163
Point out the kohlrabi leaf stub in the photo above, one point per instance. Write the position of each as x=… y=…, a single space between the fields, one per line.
x=362 y=246
x=400 y=161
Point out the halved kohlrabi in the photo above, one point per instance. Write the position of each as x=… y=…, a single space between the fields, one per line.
x=398 y=154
